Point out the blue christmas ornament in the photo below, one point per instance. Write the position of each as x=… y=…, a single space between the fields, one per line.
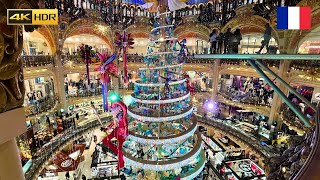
x=182 y=150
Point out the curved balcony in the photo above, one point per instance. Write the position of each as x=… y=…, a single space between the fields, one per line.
x=36 y=61
x=264 y=110
x=247 y=99
x=309 y=151
x=57 y=144
x=40 y=106
x=167 y=139
x=165 y=165
x=301 y=160
x=238 y=133
x=291 y=120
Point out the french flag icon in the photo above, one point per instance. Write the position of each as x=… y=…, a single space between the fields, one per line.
x=298 y=18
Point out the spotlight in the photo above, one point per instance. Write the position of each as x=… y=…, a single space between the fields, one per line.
x=114 y=97
x=210 y=106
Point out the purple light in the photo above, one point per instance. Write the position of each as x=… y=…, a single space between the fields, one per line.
x=210 y=106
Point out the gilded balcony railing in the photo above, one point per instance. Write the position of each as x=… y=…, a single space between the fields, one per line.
x=56 y=144
x=37 y=60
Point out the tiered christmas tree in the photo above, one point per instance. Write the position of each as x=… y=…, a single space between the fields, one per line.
x=163 y=141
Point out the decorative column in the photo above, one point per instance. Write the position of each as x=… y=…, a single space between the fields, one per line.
x=59 y=72
x=12 y=115
x=277 y=101
x=215 y=78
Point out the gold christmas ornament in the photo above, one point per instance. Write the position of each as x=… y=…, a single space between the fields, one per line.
x=149 y=1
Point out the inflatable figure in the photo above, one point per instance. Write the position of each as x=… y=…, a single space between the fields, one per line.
x=120 y=130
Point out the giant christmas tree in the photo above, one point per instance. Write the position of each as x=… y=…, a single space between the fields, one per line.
x=163 y=141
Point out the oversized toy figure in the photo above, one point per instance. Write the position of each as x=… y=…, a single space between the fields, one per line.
x=120 y=130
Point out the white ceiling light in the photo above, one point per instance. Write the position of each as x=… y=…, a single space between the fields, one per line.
x=312 y=47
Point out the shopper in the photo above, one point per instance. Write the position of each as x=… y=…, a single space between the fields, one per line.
x=220 y=38
x=67 y=175
x=84 y=177
x=226 y=42
x=266 y=39
x=213 y=41
x=235 y=41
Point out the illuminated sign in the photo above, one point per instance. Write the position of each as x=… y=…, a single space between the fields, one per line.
x=32 y=17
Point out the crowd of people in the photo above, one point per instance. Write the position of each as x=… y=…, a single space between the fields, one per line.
x=252 y=92
x=228 y=42
x=82 y=88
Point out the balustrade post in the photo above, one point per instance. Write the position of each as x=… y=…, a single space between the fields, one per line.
x=59 y=74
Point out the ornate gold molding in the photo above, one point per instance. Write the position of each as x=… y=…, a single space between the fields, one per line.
x=46 y=33
x=89 y=26
x=294 y=38
x=11 y=44
x=140 y=28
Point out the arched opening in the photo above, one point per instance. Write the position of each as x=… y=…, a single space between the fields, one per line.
x=310 y=44
x=71 y=44
x=251 y=43
x=35 y=44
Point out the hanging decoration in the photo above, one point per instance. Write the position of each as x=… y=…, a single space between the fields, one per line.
x=107 y=69
x=123 y=42
x=87 y=53
x=120 y=130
